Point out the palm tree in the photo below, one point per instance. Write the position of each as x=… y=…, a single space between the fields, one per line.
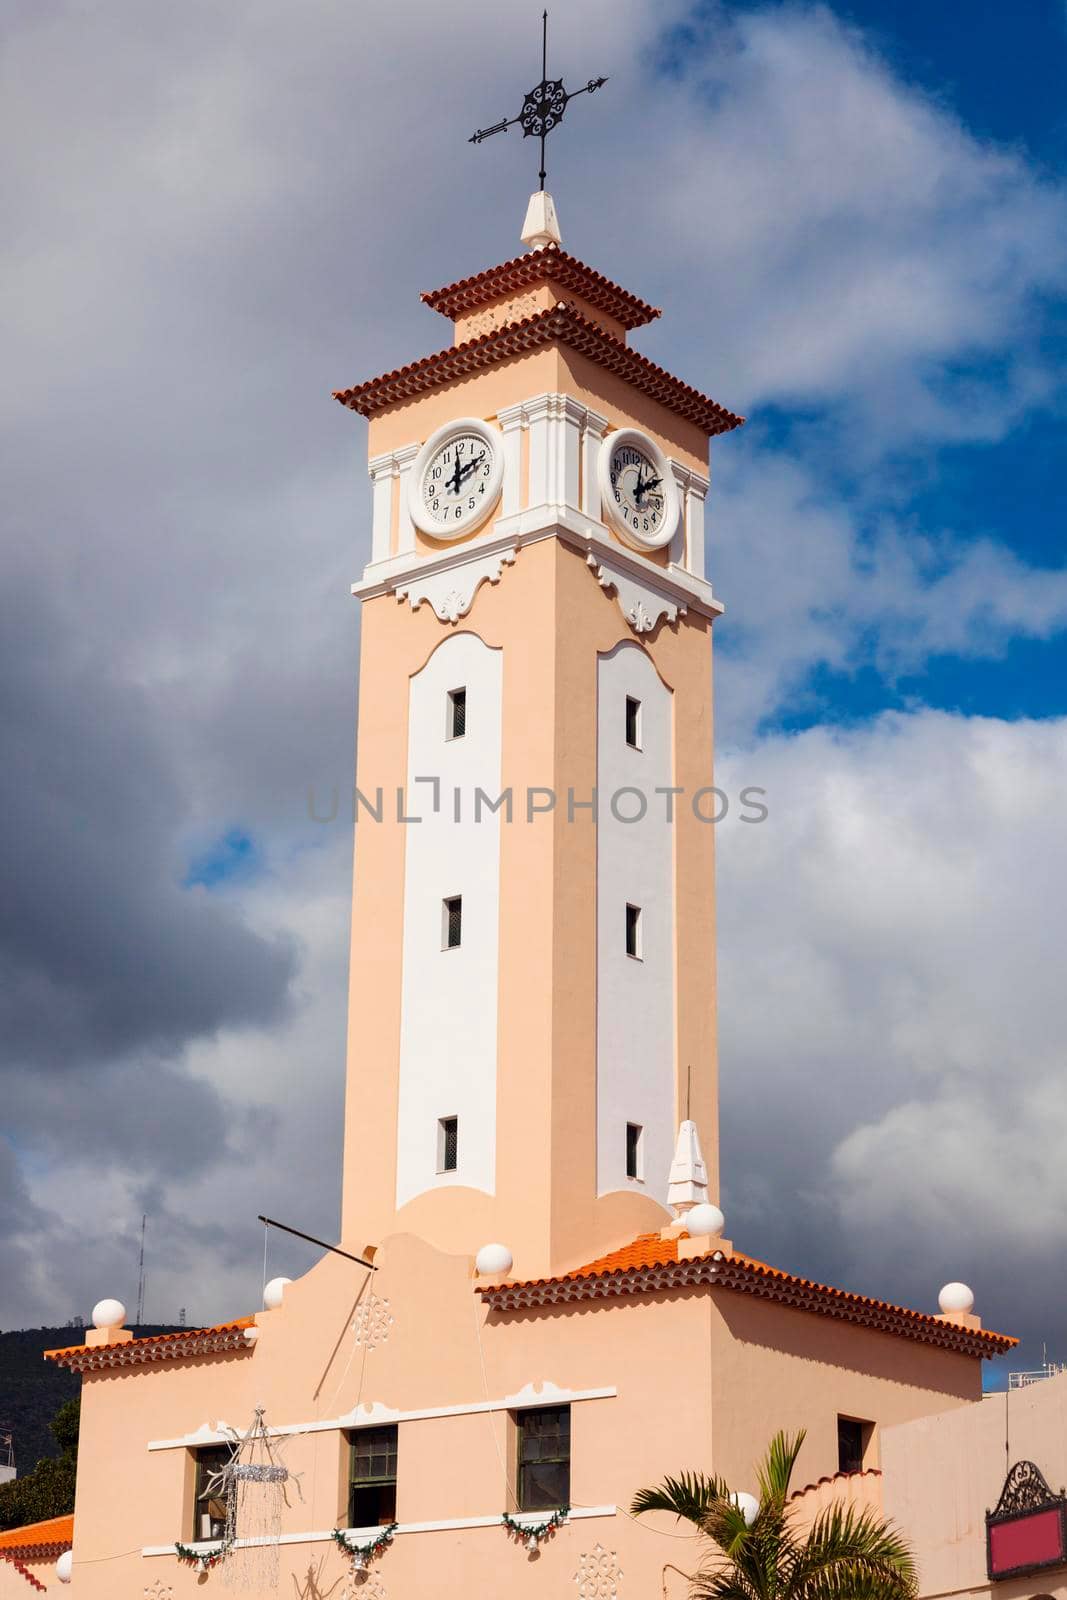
x=846 y=1554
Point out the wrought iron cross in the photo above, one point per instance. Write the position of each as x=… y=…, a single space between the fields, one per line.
x=543 y=108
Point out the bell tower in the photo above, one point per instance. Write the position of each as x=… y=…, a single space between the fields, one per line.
x=532 y=996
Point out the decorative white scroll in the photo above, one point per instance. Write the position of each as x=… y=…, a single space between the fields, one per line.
x=641 y=605
x=599 y=1575
x=451 y=591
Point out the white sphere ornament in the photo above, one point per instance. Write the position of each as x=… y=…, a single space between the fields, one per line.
x=493 y=1260
x=956 y=1297
x=65 y=1564
x=704 y=1218
x=274 y=1293
x=109 y=1314
x=748 y=1506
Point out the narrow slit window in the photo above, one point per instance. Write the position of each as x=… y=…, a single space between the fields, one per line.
x=633 y=932
x=372 y=1477
x=633 y=1150
x=452 y=922
x=448 y=1144
x=457 y=713
x=633 y=722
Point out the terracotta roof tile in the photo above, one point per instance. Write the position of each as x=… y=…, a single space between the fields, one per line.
x=652 y=1262
x=549 y=265
x=562 y=324
x=222 y=1337
x=39 y=1537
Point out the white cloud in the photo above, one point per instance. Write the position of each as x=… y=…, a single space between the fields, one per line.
x=234 y=214
x=893 y=1012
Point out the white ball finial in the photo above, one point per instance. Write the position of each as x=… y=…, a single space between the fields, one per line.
x=274 y=1293
x=704 y=1218
x=956 y=1297
x=493 y=1261
x=65 y=1564
x=748 y=1506
x=109 y=1314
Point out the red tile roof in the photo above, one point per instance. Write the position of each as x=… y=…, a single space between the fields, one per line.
x=560 y=324
x=38 y=1539
x=225 y=1336
x=652 y=1262
x=548 y=265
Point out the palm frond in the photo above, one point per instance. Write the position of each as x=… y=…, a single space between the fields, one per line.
x=776 y=1468
x=852 y=1554
x=690 y=1496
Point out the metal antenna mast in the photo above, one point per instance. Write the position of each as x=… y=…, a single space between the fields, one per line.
x=543 y=108
x=140 y=1276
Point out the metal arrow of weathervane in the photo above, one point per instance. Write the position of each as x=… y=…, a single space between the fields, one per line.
x=543 y=108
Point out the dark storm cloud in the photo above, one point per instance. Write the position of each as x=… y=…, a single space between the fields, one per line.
x=234 y=214
x=102 y=951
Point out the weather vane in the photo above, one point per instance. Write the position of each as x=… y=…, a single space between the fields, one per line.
x=543 y=108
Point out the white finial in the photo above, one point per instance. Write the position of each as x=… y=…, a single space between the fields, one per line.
x=274 y=1293
x=688 y=1181
x=109 y=1314
x=493 y=1261
x=542 y=225
x=956 y=1297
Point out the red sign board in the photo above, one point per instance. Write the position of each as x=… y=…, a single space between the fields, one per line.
x=1028 y=1529
x=1027 y=1541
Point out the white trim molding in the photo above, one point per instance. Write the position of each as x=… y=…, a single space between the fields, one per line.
x=641 y=604
x=372 y=1414
x=207 y=1547
x=451 y=590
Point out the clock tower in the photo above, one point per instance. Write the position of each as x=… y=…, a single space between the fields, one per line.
x=532 y=997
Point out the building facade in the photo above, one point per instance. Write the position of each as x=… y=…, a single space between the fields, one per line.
x=537 y=1313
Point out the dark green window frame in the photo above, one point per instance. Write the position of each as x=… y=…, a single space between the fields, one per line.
x=544 y=1449
x=372 y=1476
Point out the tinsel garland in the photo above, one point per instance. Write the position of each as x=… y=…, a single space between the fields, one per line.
x=363 y=1553
x=201 y=1558
x=531 y=1533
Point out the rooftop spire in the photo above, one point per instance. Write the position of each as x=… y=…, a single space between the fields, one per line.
x=542 y=225
x=688 y=1182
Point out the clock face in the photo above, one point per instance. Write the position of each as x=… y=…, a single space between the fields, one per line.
x=458 y=482
x=638 y=489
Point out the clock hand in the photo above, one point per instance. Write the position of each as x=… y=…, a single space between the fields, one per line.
x=475 y=461
x=641 y=487
x=454 y=481
x=652 y=483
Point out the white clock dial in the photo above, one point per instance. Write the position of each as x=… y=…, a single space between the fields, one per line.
x=456 y=479
x=638 y=489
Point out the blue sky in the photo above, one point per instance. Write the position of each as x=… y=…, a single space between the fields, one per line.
x=857 y=230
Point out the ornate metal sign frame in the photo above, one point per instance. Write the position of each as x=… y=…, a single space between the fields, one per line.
x=1025 y=1494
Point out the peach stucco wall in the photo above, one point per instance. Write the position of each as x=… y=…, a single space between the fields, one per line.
x=703 y=1377
x=942 y=1473
x=15 y=1585
x=551 y=619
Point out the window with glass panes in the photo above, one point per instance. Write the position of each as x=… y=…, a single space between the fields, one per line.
x=209 y=1507
x=544 y=1477
x=372 y=1477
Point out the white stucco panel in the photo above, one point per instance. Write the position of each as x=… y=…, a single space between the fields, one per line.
x=448 y=1031
x=635 y=866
